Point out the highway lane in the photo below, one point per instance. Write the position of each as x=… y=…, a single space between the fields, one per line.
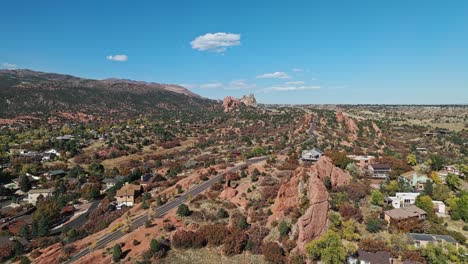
x=163 y=209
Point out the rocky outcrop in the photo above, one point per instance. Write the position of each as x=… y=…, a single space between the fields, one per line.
x=228 y=193
x=288 y=195
x=324 y=168
x=342 y=117
x=249 y=100
x=313 y=222
x=308 y=183
x=230 y=103
x=376 y=129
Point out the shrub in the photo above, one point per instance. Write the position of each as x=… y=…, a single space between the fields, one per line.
x=347 y=212
x=283 y=228
x=235 y=242
x=187 y=239
x=273 y=253
x=214 y=234
x=374 y=225
x=241 y=222
x=370 y=244
x=222 y=213
x=183 y=210
x=116 y=253
x=327 y=248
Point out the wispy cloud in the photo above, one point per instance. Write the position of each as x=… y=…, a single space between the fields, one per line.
x=211 y=85
x=297 y=70
x=9 y=66
x=216 y=42
x=187 y=85
x=117 y=57
x=289 y=88
x=274 y=75
x=295 y=82
x=240 y=84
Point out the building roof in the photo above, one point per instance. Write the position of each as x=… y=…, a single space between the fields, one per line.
x=148 y=177
x=431 y=237
x=379 y=166
x=128 y=190
x=405 y=212
x=380 y=257
x=56 y=172
x=50 y=190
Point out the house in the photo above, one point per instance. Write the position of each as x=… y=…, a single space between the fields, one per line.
x=148 y=179
x=31 y=178
x=65 y=138
x=422 y=240
x=48 y=157
x=54 y=174
x=449 y=169
x=404 y=215
x=439 y=208
x=364 y=257
x=111 y=182
x=311 y=155
x=362 y=161
x=34 y=194
x=52 y=151
x=417 y=180
x=402 y=199
x=378 y=170
x=127 y=194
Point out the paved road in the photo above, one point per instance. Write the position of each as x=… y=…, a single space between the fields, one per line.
x=163 y=209
x=79 y=221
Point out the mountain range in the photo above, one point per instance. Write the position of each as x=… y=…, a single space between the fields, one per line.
x=26 y=93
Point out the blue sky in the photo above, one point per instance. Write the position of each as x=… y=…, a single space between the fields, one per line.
x=282 y=51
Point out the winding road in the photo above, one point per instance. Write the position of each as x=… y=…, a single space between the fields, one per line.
x=163 y=209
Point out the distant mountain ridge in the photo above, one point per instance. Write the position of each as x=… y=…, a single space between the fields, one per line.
x=40 y=94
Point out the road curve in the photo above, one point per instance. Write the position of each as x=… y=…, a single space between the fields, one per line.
x=163 y=209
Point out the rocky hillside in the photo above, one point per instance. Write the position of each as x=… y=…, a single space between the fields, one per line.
x=44 y=95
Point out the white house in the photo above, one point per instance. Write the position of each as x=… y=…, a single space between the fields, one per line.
x=53 y=151
x=34 y=194
x=311 y=155
x=402 y=199
x=439 y=208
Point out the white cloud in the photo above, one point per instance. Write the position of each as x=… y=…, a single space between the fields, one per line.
x=297 y=70
x=274 y=75
x=295 y=83
x=289 y=88
x=187 y=85
x=118 y=57
x=216 y=42
x=211 y=85
x=9 y=66
x=240 y=84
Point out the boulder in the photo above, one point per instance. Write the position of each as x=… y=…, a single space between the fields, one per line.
x=228 y=193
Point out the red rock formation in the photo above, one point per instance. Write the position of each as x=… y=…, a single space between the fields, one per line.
x=324 y=168
x=230 y=103
x=228 y=193
x=376 y=129
x=349 y=123
x=313 y=222
x=288 y=195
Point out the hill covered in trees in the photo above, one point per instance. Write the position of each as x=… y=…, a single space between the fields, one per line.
x=29 y=94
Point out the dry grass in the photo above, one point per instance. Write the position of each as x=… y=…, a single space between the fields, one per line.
x=209 y=256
